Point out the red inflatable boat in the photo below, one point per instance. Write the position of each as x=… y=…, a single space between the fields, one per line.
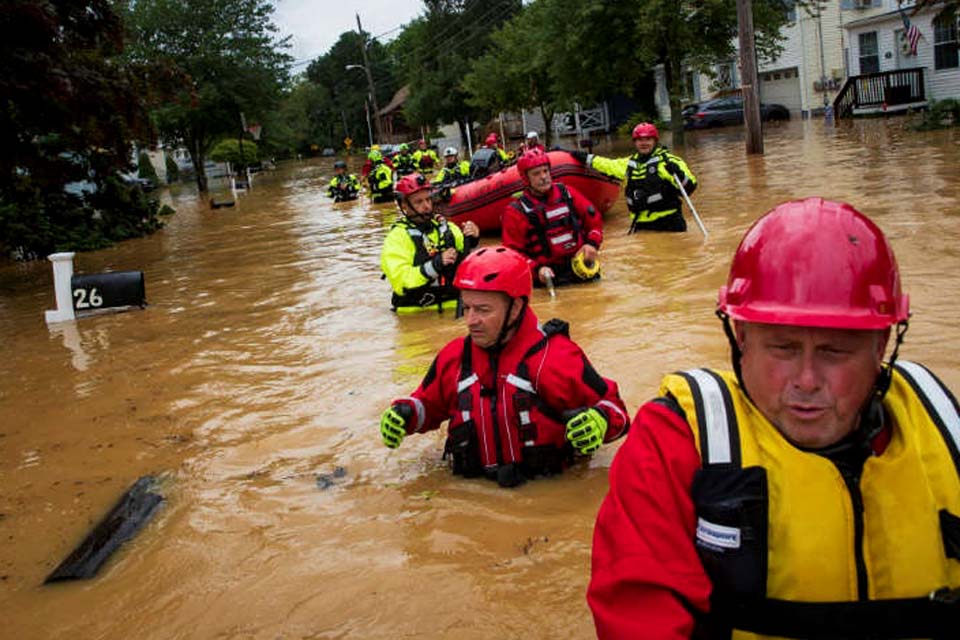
x=484 y=200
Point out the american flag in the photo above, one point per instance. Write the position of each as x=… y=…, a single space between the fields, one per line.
x=911 y=33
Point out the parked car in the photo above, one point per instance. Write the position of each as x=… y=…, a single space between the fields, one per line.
x=722 y=111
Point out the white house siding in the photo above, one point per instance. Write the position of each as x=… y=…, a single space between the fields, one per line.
x=939 y=84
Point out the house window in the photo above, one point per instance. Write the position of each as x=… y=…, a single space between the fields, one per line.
x=869 y=53
x=945 y=41
x=790 y=7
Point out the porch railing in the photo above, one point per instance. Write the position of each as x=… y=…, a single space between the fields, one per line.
x=876 y=90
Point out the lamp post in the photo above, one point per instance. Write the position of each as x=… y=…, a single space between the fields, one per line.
x=366 y=68
x=372 y=99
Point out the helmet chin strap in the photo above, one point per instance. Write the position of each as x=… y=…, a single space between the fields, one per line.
x=506 y=325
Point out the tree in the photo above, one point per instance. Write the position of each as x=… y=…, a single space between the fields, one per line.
x=228 y=150
x=68 y=115
x=343 y=93
x=226 y=57
x=434 y=53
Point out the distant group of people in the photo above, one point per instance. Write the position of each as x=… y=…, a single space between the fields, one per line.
x=811 y=491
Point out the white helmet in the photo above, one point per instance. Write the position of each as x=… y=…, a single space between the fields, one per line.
x=532 y=135
x=450 y=151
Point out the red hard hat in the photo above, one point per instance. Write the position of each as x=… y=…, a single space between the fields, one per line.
x=815 y=263
x=530 y=159
x=645 y=130
x=495 y=269
x=491 y=139
x=410 y=184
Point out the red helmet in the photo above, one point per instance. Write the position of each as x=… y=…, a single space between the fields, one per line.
x=815 y=263
x=410 y=184
x=531 y=159
x=495 y=269
x=491 y=139
x=645 y=130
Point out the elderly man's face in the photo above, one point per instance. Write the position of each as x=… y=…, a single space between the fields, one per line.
x=809 y=382
x=540 y=179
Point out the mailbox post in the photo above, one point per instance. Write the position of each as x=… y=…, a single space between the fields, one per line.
x=88 y=293
x=62 y=274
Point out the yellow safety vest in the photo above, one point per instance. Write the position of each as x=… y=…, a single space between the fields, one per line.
x=788 y=543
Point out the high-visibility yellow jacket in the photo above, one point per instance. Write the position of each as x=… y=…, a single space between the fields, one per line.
x=407 y=261
x=650 y=187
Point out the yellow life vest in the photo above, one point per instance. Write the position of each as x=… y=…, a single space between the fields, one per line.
x=795 y=550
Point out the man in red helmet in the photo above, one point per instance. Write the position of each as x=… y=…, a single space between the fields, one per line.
x=492 y=141
x=421 y=251
x=553 y=224
x=813 y=491
x=652 y=175
x=521 y=399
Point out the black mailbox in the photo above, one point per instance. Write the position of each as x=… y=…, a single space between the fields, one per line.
x=106 y=290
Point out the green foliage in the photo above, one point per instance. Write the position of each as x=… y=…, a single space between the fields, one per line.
x=145 y=168
x=626 y=129
x=34 y=223
x=435 y=52
x=337 y=96
x=70 y=109
x=228 y=150
x=173 y=171
x=941 y=115
x=218 y=59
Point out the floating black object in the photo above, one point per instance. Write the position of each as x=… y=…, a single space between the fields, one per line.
x=220 y=204
x=104 y=290
x=132 y=511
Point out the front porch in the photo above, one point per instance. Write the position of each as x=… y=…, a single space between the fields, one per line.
x=883 y=92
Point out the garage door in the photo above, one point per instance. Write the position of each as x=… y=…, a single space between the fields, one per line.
x=781 y=87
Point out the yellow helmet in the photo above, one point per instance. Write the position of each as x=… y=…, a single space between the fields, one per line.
x=582 y=269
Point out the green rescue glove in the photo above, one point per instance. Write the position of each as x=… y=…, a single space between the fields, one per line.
x=393 y=424
x=586 y=430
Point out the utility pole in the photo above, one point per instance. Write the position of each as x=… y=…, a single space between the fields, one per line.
x=366 y=68
x=748 y=78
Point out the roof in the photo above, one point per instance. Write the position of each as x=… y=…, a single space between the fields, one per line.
x=396 y=101
x=880 y=17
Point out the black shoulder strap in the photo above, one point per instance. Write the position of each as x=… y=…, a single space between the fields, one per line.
x=528 y=208
x=571 y=211
x=716 y=418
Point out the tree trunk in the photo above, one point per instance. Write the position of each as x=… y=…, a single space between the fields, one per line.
x=673 y=78
x=547 y=114
x=197 y=159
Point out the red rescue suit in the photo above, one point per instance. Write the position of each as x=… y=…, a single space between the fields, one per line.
x=550 y=230
x=506 y=407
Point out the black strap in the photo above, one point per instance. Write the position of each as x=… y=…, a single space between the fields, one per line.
x=935 y=616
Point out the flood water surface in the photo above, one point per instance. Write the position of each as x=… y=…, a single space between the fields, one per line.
x=253 y=382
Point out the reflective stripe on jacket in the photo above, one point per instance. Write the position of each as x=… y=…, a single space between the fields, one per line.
x=503 y=412
x=650 y=189
x=777 y=525
x=405 y=260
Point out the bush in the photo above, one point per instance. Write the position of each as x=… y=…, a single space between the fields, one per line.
x=626 y=129
x=173 y=170
x=145 y=168
x=34 y=223
x=228 y=150
x=940 y=115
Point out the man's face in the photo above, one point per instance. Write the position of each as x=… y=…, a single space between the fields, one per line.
x=422 y=146
x=451 y=160
x=484 y=312
x=809 y=382
x=540 y=180
x=532 y=142
x=420 y=206
x=339 y=171
x=644 y=145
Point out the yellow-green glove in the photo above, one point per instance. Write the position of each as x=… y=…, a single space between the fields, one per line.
x=393 y=424
x=586 y=430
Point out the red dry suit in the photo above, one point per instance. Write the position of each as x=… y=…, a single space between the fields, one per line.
x=550 y=230
x=506 y=408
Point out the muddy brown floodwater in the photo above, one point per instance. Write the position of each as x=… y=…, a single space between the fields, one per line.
x=268 y=352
